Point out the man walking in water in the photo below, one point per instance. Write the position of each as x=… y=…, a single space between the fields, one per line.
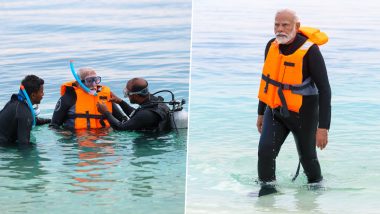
x=295 y=96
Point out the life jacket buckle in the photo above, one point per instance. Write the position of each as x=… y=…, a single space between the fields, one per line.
x=285 y=86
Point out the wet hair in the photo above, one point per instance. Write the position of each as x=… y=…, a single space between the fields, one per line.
x=32 y=84
x=138 y=84
x=84 y=72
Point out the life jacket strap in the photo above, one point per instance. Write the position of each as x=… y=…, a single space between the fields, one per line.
x=93 y=116
x=88 y=117
x=88 y=120
x=297 y=89
x=297 y=172
x=284 y=111
x=305 y=84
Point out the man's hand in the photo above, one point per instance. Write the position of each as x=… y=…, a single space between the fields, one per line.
x=322 y=138
x=102 y=108
x=115 y=98
x=259 y=123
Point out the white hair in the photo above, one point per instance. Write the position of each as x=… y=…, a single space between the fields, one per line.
x=292 y=12
x=84 y=72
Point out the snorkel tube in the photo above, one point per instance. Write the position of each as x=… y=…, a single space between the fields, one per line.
x=22 y=88
x=79 y=81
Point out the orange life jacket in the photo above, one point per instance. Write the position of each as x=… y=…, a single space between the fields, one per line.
x=86 y=113
x=282 y=82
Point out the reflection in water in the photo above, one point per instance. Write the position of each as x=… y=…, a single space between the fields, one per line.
x=99 y=168
x=23 y=169
x=144 y=148
x=305 y=200
x=150 y=144
x=267 y=202
x=95 y=157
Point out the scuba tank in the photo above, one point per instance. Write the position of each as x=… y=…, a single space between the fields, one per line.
x=178 y=116
x=179 y=119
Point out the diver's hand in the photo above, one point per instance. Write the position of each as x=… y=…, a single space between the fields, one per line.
x=259 y=123
x=102 y=108
x=115 y=98
x=41 y=121
x=322 y=138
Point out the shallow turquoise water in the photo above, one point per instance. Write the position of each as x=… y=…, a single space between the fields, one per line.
x=104 y=171
x=229 y=39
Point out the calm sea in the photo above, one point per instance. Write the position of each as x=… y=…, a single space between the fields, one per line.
x=103 y=171
x=229 y=39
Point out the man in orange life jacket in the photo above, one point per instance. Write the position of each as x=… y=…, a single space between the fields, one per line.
x=76 y=109
x=295 y=96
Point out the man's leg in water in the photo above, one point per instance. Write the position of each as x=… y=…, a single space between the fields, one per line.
x=305 y=139
x=272 y=137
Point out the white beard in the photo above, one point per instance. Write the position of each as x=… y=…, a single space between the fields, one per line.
x=283 y=38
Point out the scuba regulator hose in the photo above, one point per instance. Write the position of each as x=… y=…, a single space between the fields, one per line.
x=176 y=106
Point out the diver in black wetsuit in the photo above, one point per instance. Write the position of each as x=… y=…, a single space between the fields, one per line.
x=309 y=126
x=16 y=119
x=149 y=116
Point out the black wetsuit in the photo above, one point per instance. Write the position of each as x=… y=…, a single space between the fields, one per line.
x=149 y=116
x=65 y=110
x=314 y=112
x=16 y=122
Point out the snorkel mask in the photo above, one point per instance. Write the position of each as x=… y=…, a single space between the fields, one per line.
x=90 y=80
x=143 y=92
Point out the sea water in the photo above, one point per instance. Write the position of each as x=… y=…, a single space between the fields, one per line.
x=229 y=39
x=102 y=171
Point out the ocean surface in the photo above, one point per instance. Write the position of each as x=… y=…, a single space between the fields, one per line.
x=95 y=171
x=228 y=43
